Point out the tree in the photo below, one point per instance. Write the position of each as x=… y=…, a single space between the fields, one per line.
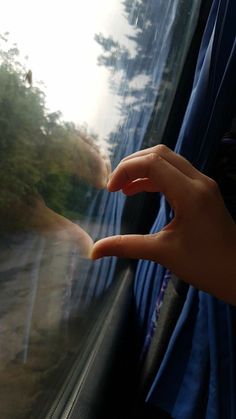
x=42 y=156
x=144 y=70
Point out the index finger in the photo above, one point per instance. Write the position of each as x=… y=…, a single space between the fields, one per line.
x=173 y=158
x=169 y=180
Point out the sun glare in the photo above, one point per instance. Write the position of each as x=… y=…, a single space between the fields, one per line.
x=58 y=38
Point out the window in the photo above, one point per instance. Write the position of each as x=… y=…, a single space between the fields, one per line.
x=81 y=86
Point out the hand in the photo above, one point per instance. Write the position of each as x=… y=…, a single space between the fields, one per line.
x=199 y=244
x=34 y=215
x=52 y=225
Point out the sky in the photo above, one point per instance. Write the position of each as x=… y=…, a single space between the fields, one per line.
x=58 y=38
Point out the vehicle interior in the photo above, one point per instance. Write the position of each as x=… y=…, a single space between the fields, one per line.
x=81 y=87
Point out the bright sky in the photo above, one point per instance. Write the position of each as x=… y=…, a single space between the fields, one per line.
x=58 y=37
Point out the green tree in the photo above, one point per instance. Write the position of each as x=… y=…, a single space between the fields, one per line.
x=40 y=153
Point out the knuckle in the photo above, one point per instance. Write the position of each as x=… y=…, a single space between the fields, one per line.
x=152 y=160
x=162 y=149
x=206 y=192
x=209 y=188
x=152 y=157
x=212 y=185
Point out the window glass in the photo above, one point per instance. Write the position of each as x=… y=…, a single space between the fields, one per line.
x=81 y=86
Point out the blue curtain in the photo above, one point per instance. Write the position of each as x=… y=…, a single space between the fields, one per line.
x=166 y=57
x=197 y=376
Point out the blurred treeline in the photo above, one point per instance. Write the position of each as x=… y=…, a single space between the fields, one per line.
x=41 y=155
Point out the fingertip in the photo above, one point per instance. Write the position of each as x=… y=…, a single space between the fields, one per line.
x=111 y=187
x=104 y=247
x=94 y=255
x=114 y=182
x=109 y=183
x=99 y=249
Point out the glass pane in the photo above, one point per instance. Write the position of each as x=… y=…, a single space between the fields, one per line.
x=80 y=87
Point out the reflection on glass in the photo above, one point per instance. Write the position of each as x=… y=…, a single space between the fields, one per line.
x=86 y=94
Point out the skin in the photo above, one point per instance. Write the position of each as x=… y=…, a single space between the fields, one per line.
x=199 y=244
x=84 y=160
x=35 y=216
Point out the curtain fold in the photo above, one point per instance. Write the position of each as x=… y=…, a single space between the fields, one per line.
x=196 y=378
x=176 y=22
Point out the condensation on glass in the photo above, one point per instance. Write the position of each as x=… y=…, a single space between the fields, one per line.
x=79 y=85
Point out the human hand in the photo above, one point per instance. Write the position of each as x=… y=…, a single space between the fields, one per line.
x=54 y=226
x=199 y=244
x=34 y=215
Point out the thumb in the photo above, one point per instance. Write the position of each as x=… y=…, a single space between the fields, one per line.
x=151 y=246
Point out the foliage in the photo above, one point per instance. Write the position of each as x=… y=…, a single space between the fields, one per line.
x=146 y=20
x=131 y=65
x=37 y=148
x=145 y=67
